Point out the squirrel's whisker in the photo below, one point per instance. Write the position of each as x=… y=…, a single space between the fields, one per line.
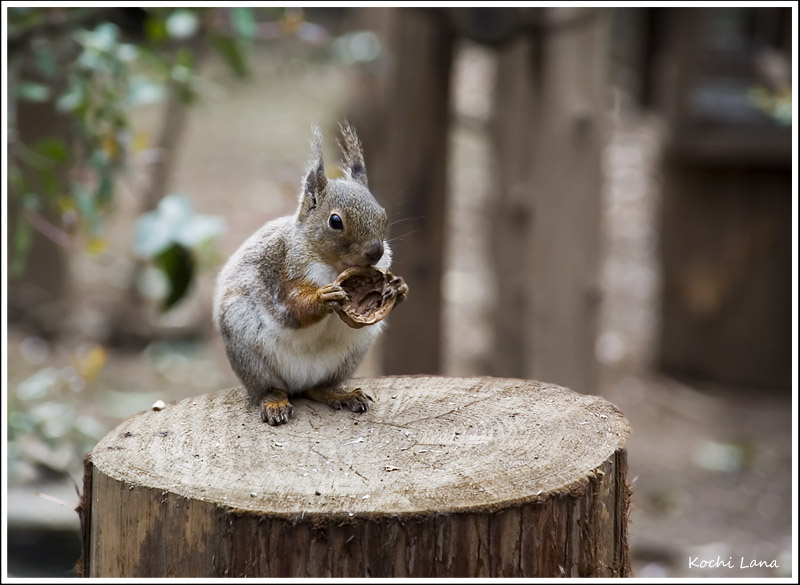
x=401 y=236
x=405 y=219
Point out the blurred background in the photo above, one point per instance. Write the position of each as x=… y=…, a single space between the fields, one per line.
x=597 y=198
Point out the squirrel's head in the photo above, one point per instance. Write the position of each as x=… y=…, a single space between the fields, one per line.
x=341 y=220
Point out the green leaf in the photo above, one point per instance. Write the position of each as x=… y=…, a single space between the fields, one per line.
x=73 y=98
x=127 y=52
x=182 y=24
x=175 y=209
x=157 y=230
x=49 y=183
x=17 y=182
x=173 y=222
x=183 y=76
x=151 y=235
x=52 y=148
x=31 y=91
x=31 y=201
x=105 y=189
x=232 y=52
x=142 y=91
x=199 y=229
x=244 y=23
x=99 y=159
x=103 y=38
x=177 y=263
x=86 y=207
x=185 y=58
x=45 y=62
x=90 y=60
x=156 y=28
x=151 y=57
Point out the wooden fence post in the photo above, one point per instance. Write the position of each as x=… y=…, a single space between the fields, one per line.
x=455 y=477
x=405 y=141
x=552 y=94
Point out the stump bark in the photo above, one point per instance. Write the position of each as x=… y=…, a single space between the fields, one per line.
x=454 y=477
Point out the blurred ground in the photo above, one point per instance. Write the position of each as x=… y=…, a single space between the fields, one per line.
x=711 y=467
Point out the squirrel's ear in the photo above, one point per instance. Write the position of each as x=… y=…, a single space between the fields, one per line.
x=352 y=154
x=315 y=179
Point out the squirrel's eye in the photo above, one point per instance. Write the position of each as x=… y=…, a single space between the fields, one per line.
x=335 y=222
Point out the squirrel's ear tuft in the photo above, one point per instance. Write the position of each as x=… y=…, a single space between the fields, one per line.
x=315 y=179
x=352 y=154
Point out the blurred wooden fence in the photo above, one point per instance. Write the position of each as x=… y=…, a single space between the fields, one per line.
x=544 y=223
x=724 y=225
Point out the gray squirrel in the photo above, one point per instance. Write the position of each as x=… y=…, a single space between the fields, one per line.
x=275 y=297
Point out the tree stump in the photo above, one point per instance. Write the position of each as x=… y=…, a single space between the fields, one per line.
x=455 y=477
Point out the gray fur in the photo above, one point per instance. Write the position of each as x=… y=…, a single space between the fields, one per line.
x=263 y=340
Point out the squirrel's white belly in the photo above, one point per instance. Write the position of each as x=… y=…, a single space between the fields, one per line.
x=307 y=356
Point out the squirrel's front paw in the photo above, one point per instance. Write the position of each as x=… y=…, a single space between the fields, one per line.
x=332 y=295
x=400 y=288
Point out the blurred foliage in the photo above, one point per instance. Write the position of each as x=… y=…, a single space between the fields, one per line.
x=95 y=77
x=68 y=398
x=172 y=236
x=776 y=104
x=48 y=432
x=94 y=66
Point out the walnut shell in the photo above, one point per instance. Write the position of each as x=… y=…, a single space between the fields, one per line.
x=371 y=294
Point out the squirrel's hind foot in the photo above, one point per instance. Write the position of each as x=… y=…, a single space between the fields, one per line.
x=276 y=408
x=355 y=400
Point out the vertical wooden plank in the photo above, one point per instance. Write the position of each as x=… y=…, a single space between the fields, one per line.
x=549 y=132
x=320 y=557
x=193 y=545
x=528 y=542
x=93 y=565
x=505 y=535
x=422 y=558
x=84 y=510
x=511 y=219
x=551 y=533
x=409 y=178
x=562 y=266
x=679 y=61
x=347 y=549
x=622 y=510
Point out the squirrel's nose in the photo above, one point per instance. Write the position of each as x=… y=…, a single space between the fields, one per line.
x=374 y=252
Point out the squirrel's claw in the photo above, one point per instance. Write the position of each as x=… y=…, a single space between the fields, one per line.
x=400 y=288
x=356 y=400
x=332 y=294
x=276 y=412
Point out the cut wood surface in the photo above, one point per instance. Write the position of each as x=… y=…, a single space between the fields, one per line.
x=443 y=476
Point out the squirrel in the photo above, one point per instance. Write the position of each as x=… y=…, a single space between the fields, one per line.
x=274 y=298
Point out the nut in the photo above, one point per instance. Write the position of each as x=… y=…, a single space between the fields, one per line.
x=371 y=294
